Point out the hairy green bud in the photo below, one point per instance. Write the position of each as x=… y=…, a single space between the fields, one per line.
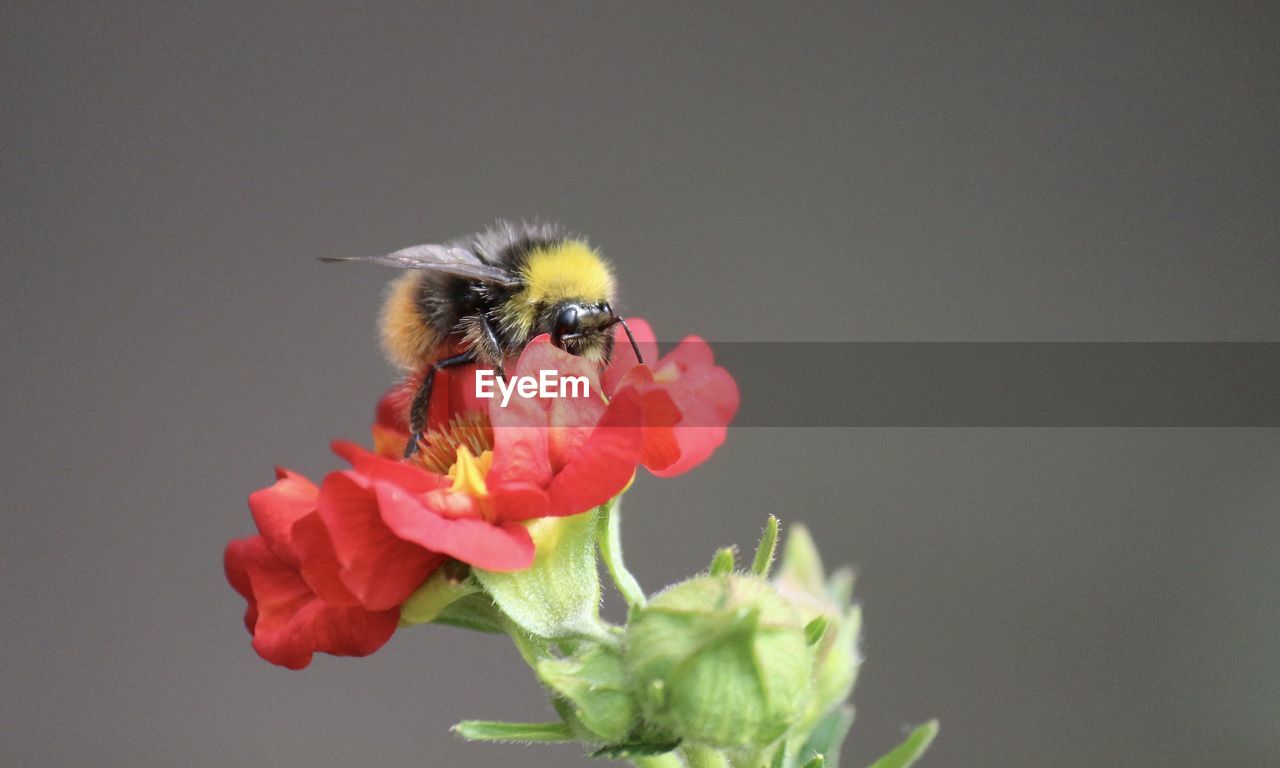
x=721 y=661
x=819 y=598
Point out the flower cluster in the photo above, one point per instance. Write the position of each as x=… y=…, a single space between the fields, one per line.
x=332 y=565
x=498 y=521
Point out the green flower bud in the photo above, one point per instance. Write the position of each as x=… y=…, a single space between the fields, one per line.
x=720 y=661
x=593 y=692
x=803 y=582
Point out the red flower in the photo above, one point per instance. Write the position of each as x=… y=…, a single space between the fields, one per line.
x=704 y=394
x=466 y=493
x=687 y=401
x=332 y=565
x=297 y=603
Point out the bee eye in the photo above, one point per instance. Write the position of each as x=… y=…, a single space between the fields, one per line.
x=566 y=323
x=604 y=307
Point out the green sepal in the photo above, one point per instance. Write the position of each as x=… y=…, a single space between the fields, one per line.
x=840 y=586
x=764 y=551
x=434 y=596
x=595 y=687
x=640 y=748
x=609 y=539
x=779 y=755
x=475 y=611
x=801 y=567
x=909 y=751
x=496 y=730
x=802 y=578
x=828 y=735
x=559 y=595
x=723 y=562
x=839 y=660
x=814 y=630
x=707 y=757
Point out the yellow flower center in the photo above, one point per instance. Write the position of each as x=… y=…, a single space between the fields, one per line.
x=468 y=472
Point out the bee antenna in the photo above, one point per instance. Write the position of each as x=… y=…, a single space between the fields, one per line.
x=634 y=346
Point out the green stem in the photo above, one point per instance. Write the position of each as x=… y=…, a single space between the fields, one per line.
x=599 y=631
x=531 y=649
x=608 y=537
x=705 y=757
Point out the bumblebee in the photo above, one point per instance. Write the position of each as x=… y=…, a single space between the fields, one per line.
x=481 y=298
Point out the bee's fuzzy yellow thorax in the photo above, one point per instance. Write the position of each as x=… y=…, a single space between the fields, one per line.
x=568 y=270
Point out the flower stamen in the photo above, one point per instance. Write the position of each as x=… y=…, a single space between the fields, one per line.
x=438 y=448
x=469 y=471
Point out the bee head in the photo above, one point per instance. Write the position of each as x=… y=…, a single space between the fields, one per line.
x=583 y=329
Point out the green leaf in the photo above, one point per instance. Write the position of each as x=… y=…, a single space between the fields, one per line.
x=609 y=539
x=818 y=761
x=723 y=562
x=764 y=552
x=495 y=730
x=828 y=735
x=595 y=686
x=909 y=751
x=559 y=595
x=438 y=593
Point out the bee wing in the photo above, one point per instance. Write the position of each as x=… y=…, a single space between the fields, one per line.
x=449 y=259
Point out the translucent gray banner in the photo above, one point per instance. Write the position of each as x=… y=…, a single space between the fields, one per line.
x=1005 y=384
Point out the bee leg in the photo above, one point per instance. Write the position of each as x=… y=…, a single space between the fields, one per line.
x=421 y=400
x=492 y=337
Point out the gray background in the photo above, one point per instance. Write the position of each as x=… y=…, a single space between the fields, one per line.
x=878 y=171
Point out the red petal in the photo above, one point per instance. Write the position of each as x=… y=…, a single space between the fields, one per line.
x=707 y=397
x=319 y=565
x=292 y=623
x=519 y=443
x=411 y=477
x=540 y=354
x=571 y=419
x=235 y=564
x=388 y=442
x=605 y=464
x=520 y=456
x=505 y=547
x=453 y=391
x=277 y=507
x=378 y=567
x=692 y=352
x=392 y=410
x=518 y=501
x=660 y=448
